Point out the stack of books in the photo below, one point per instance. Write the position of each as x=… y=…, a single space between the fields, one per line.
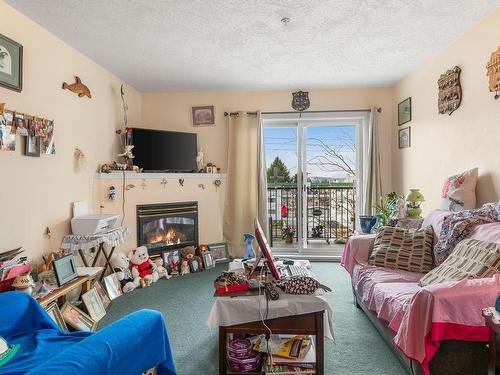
x=287 y=354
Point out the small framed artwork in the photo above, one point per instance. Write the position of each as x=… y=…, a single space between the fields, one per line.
x=207 y=260
x=77 y=319
x=219 y=252
x=172 y=261
x=113 y=286
x=404 y=137
x=65 y=269
x=54 y=312
x=203 y=115
x=32 y=146
x=11 y=64
x=404 y=111
x=194 y=266
x=93 y=304
x=102 y=294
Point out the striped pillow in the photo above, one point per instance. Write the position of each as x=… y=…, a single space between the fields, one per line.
x=403 y=249
x=471 y=259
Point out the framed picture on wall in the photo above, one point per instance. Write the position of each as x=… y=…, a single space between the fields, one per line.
x=404 y=111
x=11 y=64
x=404 y=137
x=203 y=115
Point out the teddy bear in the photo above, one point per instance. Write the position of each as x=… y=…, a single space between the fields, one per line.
x=121 y=266
x=188 y=254
x=143 y=269
x=162 y=271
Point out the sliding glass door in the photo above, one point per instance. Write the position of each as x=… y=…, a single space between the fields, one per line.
x=314 y=168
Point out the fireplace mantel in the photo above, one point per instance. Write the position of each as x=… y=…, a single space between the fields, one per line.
x=159 y=176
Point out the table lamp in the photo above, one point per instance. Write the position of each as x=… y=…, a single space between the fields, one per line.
x=24 y=284
x=413 y=200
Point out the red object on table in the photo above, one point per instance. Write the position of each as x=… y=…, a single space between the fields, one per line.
x=232 y=289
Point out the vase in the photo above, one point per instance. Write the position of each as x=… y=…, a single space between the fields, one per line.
x=367 y=223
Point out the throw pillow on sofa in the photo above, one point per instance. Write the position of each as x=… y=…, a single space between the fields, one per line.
x=407 y=250
x=471 y=259
x=459 y=191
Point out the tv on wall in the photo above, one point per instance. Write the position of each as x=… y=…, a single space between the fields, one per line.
x=163 y=151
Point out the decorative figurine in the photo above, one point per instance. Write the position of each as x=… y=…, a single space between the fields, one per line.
x=400 y=208
x=111 y=193
x=78 y=88
x=248 y=239
x=199 y=159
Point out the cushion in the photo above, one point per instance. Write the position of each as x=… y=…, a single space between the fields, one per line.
x=459 y=191
x=403 y=249
x=471 y=259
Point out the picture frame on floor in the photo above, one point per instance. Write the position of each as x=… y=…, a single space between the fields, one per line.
x=219 y=252
x=404 y=111
x=93 y=303
x=404 y=137
x=208 y=261
x=113 y=286
x=102 y=294
x=77 y=319
x=11 y=64
x=54 y=312
x=172 y=261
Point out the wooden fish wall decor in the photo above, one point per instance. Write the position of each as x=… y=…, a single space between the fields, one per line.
x=78 y=88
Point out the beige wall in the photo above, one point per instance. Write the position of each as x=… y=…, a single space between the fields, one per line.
x=443 y=145
x=171 y=110
x=37 y=192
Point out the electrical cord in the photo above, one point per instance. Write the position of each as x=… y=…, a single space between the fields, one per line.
x=123 y=198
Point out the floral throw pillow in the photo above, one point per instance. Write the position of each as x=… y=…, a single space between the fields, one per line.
x=459 y=191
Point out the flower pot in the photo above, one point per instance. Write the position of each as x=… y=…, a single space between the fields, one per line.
x=288 y=239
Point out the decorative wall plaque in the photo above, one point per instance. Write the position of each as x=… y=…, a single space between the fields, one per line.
x=493 y=72
x=450 y=91
x=300 y=100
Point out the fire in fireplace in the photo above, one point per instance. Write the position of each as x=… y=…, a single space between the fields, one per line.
x=167 y=226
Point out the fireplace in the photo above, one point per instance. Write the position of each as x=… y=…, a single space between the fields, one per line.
x=167 y=226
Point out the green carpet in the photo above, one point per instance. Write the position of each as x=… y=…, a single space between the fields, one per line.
x=185 y=302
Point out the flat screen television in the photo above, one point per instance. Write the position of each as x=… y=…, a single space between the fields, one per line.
x=163 y=151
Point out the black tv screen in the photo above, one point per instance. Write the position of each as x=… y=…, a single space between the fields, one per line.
x=163 y=151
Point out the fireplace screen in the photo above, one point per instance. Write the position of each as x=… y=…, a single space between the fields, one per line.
x=167 y=226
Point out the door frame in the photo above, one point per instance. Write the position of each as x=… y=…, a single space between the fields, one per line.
x=301 y=121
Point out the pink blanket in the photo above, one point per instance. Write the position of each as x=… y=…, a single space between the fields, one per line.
x=420 y=317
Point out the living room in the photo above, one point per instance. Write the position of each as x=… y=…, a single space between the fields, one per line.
x=340 y=126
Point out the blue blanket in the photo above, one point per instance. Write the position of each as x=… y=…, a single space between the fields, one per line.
x=130 y=345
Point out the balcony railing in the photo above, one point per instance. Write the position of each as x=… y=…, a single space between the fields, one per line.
x=330 y=211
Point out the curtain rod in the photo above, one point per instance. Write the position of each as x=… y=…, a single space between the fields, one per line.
x=379 y=110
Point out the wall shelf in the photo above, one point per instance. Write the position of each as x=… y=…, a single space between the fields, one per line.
x=159 y=176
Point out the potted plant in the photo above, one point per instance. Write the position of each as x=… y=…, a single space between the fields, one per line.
x=287 y=233
x=386 y=209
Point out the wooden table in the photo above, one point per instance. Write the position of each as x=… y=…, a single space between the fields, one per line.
x=305 y=324
x=107 y=258
x=494 y=352
x=60 y=293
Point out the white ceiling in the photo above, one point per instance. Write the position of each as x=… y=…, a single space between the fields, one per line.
x=167 y=45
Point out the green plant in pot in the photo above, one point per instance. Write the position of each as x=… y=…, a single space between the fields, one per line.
x=386 y=208
x=287 y=233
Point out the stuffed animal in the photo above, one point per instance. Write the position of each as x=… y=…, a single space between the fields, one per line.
x=188 y=253
x=160 y=270
x=184 y=267
x=143 y=270
x=121 y=266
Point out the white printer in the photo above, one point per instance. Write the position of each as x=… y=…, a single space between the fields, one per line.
x=86 y=224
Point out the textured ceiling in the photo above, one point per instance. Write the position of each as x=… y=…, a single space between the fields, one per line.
x=241 y=44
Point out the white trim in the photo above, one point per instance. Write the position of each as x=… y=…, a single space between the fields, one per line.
x=159 y=176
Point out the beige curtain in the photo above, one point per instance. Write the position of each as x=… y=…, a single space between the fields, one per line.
x=246 y=190
x=372 y=181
